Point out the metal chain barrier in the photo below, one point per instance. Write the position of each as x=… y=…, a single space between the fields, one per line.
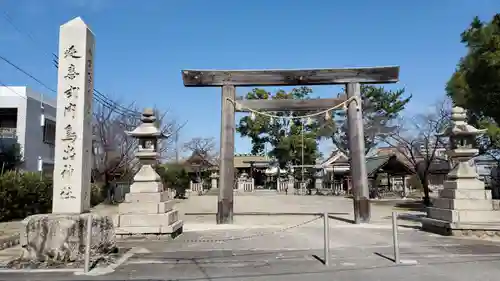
x=249 y=236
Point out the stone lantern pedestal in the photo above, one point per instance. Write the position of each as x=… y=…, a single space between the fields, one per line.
x=464 y=206
x=148 y=208
x=318 y=177
x=213 y=180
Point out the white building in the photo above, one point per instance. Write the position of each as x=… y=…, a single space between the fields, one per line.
x=29 y=118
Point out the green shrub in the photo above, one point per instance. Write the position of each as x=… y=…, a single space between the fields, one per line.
x=24 y=194
x=10 y=156
x=176 y=177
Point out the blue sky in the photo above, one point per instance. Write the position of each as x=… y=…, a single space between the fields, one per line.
x=141 y=46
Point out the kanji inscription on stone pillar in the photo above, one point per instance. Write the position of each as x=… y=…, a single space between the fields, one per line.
x=73 y=148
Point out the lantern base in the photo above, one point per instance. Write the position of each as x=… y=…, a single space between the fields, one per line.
x=478 y=230
x=147 y=213
x=463 y=205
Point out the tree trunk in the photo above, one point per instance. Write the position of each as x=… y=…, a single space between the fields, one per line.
x=425 y=186
x=107 y=188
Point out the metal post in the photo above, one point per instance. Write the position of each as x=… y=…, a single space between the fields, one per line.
x=395 y=237
x=327 y=239
x=87 y=246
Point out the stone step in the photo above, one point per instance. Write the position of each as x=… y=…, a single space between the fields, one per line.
x=465 y=193
x=257 y=192
x=462 y=216
x=146 y=187
x=465 y=183
x=146 y=230
x=462 y=204
x=151 y=197
x=144 y=220
x=146 y=207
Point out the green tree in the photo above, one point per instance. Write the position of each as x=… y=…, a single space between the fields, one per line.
x=175 y=177
x=287 y=137
x=380 y=108
x=475 y=84
x=10 y=156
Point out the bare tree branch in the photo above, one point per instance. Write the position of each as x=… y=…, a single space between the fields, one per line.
x=202 y=145
x=416 y=139
x=204 y=148
x=114 y=151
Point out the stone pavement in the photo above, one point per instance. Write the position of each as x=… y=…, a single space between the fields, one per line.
x=201 y=210
x=205 y=206
x=282 y=247
x=9 y=237
x=338 y=206
x=270 y=254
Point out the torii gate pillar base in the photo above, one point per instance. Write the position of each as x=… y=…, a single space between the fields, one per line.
x=225 y=212
x=362 y=210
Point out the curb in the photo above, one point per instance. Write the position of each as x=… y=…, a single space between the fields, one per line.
x=9 y=241
x=266 y=213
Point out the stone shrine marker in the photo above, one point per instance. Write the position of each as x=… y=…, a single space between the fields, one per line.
x=74 y=116
x=60 y=236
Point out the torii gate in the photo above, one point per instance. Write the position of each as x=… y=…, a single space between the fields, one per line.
x=351 y=77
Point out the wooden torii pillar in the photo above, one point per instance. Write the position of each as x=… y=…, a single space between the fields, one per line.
x=229 y=79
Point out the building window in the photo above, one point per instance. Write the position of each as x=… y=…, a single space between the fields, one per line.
x=47 y=169
x=49 y=132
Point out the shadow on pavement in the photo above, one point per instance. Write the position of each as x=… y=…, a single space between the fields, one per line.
x=341 y=218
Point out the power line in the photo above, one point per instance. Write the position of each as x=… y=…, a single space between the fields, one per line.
x=26 y=73
x=11 y=22
x=97 y=95
x=12 y=90
x=100 y=96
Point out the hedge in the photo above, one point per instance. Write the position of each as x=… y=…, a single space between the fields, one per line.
x=26 y=193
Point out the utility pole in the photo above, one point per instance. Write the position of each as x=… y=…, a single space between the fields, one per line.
x=176 y=139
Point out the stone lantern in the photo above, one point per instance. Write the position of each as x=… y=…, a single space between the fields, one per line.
x=147 y=135
x=214 y=178
x=318 y=175
x=462 y=142
x=147 y=208
x=464 y=206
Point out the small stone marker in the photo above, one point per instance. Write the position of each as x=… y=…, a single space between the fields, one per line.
x=74 y=116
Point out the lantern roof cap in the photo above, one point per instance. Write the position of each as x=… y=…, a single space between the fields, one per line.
x=148 y=127
x=459 y=125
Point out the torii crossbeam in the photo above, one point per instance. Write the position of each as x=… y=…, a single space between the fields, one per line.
x=351 y=77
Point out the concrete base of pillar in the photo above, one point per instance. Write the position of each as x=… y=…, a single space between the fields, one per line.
x=62 y=237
